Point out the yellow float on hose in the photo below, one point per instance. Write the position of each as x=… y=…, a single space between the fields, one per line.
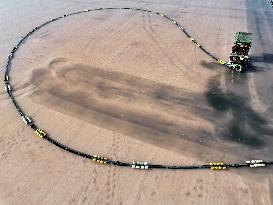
x=217 y=166
x=40 y=133
x=222 y=62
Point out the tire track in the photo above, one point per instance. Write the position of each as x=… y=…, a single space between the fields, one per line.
x=160 y=44
x=111 y=182
x=257 y=104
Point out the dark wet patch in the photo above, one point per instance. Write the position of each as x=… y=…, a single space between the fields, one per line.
x=216 y=98
x=260 y=63
x=150 y=111
x=253 y=68
x=244 y=125
x=238 y=134
x=210 y=65
x=25 y=85
x=167 y=95
x=160 y=114
x=264 y=58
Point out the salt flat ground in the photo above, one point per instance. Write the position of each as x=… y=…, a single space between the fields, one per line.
x=130 y=86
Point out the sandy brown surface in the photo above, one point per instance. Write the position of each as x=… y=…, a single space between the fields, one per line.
x=130 y=86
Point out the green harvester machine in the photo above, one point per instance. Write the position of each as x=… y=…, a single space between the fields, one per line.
x=239 y=57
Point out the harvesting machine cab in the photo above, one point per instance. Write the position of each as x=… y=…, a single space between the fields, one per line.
x=239 y=58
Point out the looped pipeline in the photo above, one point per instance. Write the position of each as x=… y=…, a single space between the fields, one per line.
x=103 y=160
